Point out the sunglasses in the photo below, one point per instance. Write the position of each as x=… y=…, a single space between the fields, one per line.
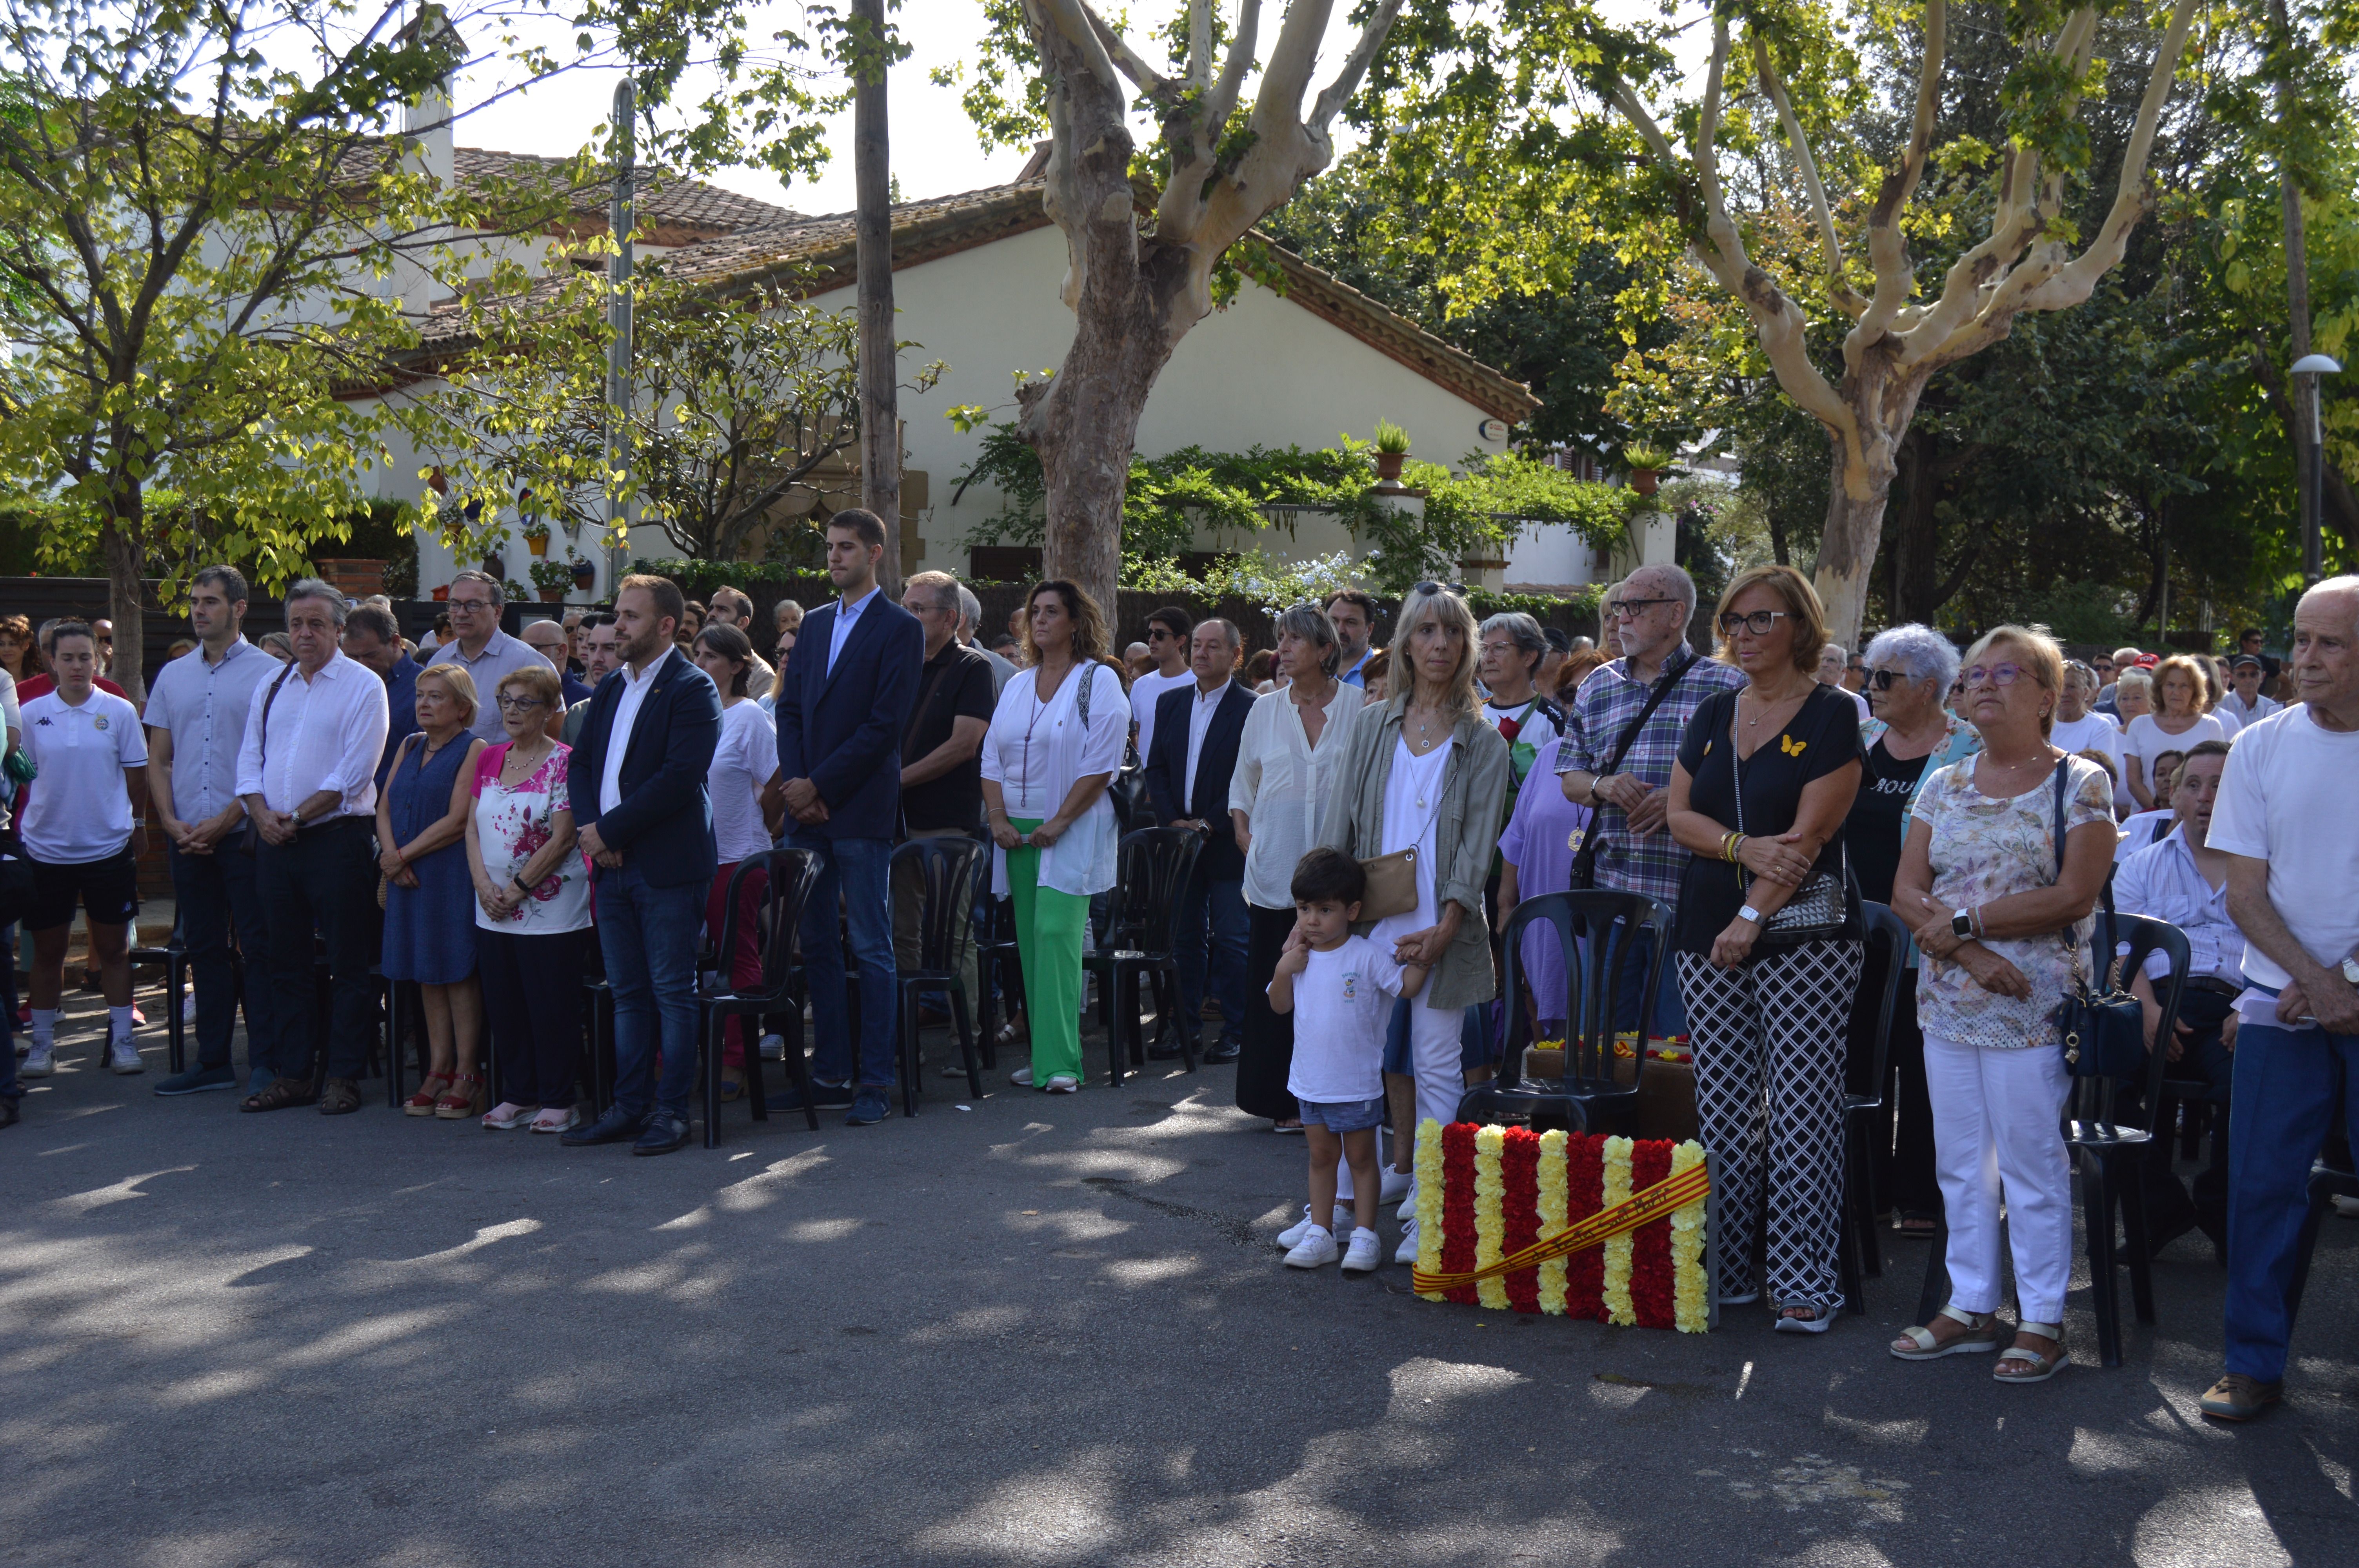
x=1457 y=588
x=1758 y=623
x=1885 y=680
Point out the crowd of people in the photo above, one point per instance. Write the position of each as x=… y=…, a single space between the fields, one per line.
x=480 y=821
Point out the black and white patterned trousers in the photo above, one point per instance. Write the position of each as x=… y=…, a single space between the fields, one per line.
x=1769 y=1051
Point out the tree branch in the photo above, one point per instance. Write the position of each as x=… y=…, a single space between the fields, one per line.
x=1222 y=101
x=1354 y=67
x=1155 y=87
x=1838 y=292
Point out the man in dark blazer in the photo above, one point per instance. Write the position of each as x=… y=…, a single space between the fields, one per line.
x=1197 y=729
x=843 y=701
x=637 y=784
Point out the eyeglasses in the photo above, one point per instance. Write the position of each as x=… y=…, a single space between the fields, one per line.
x=469 y=605
x=1758 y=623
x=1630 y=609
x=519 y=704
x=1885 y=680
x=1996 y=675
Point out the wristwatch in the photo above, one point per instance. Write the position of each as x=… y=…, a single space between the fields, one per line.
x=1963 y=923
x=1753 y=914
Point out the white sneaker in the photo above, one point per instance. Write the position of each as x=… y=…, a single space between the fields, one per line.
x=39 y=1062
x=123 y=1056
x=1316 y=1248
x=1063 y=1084
x=2347 y=1208
x=1407 y=1252
x=773 y=1047
x=1294 y=1233
x=1399 y=1186
x=1021 y=1077
x=1368 y=1252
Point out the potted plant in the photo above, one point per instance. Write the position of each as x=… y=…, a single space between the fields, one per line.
x=585 y=573
x=1392 y=450
x=536 y=536
x=552 y=578
x=1645 y=464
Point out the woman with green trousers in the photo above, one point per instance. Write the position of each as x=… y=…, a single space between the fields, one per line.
x=1054 y=744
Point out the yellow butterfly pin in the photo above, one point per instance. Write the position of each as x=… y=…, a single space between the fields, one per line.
x=1790 y=746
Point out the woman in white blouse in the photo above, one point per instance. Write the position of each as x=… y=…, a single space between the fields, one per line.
x=1055 y=743
x=2183 y=719
x=1285 y=760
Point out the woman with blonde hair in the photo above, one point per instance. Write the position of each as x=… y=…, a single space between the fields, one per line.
x=1423 y=769
x=1055 y=743
x=429 y=938
x=1765 y=777
x=2183 y=719
x=2000 y=903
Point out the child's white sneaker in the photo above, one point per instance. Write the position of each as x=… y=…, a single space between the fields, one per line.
x=1366 y=1252
x=1291 y=1237
x=1316 y=1249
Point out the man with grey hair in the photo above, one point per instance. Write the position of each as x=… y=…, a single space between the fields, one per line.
x=970 y=621
x=1834 y=660
x=1621 y=766
x=307 y=774
x=477 y=645
x=1198 y=727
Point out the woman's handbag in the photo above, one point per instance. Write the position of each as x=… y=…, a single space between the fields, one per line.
x=1821 y=909
x=1392 y=879
x=2103 y=1031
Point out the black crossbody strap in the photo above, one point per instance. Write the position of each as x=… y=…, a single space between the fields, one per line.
x=263 y=745
x=1584 y=864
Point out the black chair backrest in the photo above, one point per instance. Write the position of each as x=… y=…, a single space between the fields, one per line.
x=1594 y=930
x=789 y=876
x=2094 y=1101
x=1887 y=950
x=1151 y=870
x=941 y=867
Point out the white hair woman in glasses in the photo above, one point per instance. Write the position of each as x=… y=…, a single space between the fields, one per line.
x=1422 y=769
x=1765 y=777
x=1911 y=737
x=2001 y=910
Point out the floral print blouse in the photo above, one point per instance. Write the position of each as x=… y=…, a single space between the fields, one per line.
x=512 y=824
x=1984 y=849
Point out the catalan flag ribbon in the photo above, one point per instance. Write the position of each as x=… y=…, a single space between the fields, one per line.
x=1657 y=1202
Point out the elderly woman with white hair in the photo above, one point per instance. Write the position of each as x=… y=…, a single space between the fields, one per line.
x=1911 y=737
x=1424 y=771
x=1285 y=772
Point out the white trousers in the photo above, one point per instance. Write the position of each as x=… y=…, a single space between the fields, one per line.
x=1436 y=1061
x=1997 y=1132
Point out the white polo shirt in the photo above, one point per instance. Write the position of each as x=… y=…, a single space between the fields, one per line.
x=80 y=809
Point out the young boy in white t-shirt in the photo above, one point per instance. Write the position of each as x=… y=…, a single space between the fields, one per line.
x=1345 y=985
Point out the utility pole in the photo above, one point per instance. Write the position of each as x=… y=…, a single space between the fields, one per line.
x=871 y=159
x=620 y=223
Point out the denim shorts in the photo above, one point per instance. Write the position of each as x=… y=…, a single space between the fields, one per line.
x=1345 y=1116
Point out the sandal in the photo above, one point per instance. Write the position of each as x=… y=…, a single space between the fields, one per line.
x=428 y=1090
x=1790 y=1318
x=2042 y=1366
x=1919 y=1225
x=1979 y=1333
x=731 y=1089
x=340 y=1097
x=463 y=1099
x=282 y=1094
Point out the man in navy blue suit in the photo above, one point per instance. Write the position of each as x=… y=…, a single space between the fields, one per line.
x=843 y=701
x=1197 y=729
x=636 y=783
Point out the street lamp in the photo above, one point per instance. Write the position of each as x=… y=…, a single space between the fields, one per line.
x=2306 y=372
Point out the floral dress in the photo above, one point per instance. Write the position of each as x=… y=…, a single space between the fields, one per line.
x=512 y=824
x=1984 y=849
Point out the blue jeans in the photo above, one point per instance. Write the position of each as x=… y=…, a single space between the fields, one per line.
x=2280 y=1112
x=1211 y=934
x=1670 y=1016
x=649 y=937
x=854 y=869
x=218 y=893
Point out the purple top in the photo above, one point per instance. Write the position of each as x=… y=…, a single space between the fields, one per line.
x=1543 y=836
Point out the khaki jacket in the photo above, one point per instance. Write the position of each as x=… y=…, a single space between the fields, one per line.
x=1466 y=834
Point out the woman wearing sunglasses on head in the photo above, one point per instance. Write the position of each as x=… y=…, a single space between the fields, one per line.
x=1765 y=775
x=1911 y=737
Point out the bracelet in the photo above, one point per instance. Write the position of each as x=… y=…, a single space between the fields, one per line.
x=1976 y=920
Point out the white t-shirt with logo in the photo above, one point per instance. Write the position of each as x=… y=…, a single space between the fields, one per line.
x=1343 y=1001
x=2286 y=797
x=80 y=808
x=743 y=761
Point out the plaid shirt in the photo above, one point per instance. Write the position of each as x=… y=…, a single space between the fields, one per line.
x=1603 y=709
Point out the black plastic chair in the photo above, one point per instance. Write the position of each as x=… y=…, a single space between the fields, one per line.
x=1151 y=870
x=2108 y=1153
x=174 y=957
x=998 y=966
x=1861 y=1256
x=790 y=875
x=1594 y=930
x=941 y=867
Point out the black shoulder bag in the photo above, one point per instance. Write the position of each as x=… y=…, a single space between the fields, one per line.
x=249 y=832
x=2103 y=1029
x=1584 y=863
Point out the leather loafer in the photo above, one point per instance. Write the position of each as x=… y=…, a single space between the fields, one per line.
x=614 y=1127
x=1222 y=1054
x=1163 y=1053
x=825 y=1097
x=663 y=1134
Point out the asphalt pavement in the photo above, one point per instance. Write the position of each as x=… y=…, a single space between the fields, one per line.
x=1023 y=1329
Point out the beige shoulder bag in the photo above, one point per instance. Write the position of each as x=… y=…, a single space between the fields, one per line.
x=1392 y=879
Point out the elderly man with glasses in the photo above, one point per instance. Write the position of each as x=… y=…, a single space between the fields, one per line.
x=477 y=645
x=1612 y=761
